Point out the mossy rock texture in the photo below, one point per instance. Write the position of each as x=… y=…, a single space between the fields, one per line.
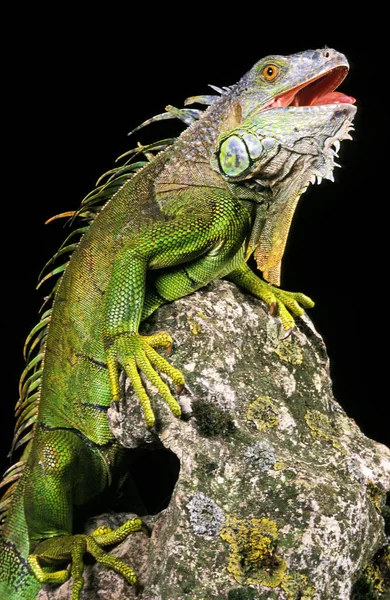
x=279 y=496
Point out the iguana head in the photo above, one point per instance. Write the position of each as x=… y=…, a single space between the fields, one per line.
x=282 y=132
x=307 y=78
x=285 y=117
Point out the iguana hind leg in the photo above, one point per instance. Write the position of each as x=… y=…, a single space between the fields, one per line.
x=74 y=547
x=64 y=471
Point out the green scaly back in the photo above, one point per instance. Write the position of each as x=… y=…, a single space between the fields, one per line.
x=27 y=406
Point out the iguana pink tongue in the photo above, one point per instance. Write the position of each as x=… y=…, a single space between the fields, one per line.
x=302 y=98
x=332 y=98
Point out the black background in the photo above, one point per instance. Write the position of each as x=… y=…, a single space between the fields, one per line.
x=74 y=89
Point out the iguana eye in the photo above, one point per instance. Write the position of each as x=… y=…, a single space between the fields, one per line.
x=270 y=72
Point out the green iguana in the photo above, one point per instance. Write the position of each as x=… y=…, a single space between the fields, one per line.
x=192 y=211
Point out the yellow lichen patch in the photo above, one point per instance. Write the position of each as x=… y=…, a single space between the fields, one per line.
x=253 y=557
x=264 y=412
x=374 y=577
x=321 y=427
x=194 y=326
x=290 y=351
x=387 y=557
x=376 y=495
x=280 y=465
x=296 y=586
x=201 y=315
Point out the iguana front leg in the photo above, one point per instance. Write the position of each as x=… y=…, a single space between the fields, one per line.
x=285 y=302
x=192 y=251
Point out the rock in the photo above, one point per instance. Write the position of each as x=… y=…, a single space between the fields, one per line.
x=279 y=494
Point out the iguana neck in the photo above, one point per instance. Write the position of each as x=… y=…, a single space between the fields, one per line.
x=273 y=236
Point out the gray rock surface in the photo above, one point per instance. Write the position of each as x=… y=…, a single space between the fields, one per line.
x=279 y=497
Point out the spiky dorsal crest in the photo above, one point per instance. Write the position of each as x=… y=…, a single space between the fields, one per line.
x=27 y=407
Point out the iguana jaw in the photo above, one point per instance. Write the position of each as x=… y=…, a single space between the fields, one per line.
x=316 y=92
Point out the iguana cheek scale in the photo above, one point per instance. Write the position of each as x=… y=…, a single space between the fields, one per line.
x=193 y=210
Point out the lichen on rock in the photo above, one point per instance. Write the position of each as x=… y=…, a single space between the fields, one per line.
x=261 y=455
x=264 y=412
x=253 y=558
x=322 y=427
x=297 y=587
x=205 y=516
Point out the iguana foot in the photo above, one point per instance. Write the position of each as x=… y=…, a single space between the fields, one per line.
x=135 y=352
x=280 y=302
x=74 y=547
x=283 y=303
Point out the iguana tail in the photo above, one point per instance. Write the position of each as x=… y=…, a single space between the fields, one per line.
x=16 y=579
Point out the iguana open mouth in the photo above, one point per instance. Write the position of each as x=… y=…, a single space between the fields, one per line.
x=316 y=92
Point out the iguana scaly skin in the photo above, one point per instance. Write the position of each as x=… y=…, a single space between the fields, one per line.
x=193 y=212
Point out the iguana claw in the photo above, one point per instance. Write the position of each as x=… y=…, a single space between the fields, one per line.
x=282 y=303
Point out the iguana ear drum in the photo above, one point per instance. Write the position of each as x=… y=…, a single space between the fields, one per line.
x=233 y=156
x=237 y=153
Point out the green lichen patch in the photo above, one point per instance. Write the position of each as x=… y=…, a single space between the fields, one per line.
x=211 y=420
x=321 y=427
x=241 y=594
x=205 y=467
x=253 y=557
x=185 y=578
x=290 y=351
x=264 y=412
x=327 y=498
x=297 y=587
